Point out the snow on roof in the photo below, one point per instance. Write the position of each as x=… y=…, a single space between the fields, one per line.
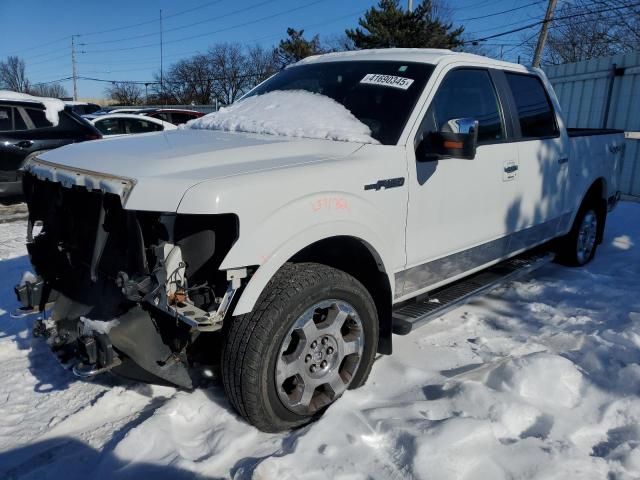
x=291 y=113
x=52 y=106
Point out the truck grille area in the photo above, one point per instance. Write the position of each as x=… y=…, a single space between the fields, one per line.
x=87 y=240
x=117 y=274
x=62 y=253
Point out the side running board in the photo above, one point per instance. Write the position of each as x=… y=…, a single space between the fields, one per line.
x=413 y=314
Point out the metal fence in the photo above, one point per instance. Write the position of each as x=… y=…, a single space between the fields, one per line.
x=604 y=93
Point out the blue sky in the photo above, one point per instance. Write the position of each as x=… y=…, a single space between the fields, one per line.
x=119 y=39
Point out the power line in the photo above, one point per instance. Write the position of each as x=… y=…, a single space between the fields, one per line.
x=194 y=52
x=53 y=81
x=48 y=44
x=500 y=13
x=199 y=22
x=243 y=24
x=149 y=21
x=66 y=55
x=540 y=22
x=67 y=37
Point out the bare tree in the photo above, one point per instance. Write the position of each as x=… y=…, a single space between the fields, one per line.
x=54 y=90
x=230 y=66
x=187 y=81
x=261 y=64
x=588 y=29
x=225 y=72
x=12 y=75
x=125 y=93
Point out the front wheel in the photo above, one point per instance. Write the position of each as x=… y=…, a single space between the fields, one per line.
x=312 y=335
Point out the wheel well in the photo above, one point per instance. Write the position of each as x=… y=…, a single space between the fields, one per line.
x=356 y=258
x=596 y=197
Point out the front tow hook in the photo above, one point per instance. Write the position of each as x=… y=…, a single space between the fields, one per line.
x=88 y=371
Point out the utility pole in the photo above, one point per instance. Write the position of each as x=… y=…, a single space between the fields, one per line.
x=161 y=61
x=410 y=6
x=542 y=39
x=73 y=66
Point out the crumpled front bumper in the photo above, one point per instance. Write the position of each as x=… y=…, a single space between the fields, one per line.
x=133 y=345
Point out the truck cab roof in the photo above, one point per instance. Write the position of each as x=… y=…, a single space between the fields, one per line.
x=432 y=56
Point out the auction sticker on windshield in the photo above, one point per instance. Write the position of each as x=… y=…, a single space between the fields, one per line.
x=387 y=81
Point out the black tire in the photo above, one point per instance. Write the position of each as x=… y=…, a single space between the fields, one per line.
x=253 y=342
x=570 y=248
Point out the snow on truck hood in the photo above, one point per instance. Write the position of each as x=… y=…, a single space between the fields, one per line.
x=290 y=113
x=153 y=171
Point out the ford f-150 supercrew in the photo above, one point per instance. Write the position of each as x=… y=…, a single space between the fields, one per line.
x=349 y=197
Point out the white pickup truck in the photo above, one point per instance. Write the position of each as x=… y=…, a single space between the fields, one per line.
x=349 y=197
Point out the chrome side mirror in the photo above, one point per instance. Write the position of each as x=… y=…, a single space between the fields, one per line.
x=457 y=138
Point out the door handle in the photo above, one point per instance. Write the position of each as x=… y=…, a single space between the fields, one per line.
x=510 y=168
x=563 y=160
x=24 y=144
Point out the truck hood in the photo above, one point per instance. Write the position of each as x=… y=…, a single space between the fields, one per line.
x=160 y=167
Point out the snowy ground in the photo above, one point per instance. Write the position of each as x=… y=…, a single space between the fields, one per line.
x=539 y=379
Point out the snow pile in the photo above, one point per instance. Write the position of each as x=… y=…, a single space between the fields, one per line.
x=53 y=106
x=528 y=377
x=289 y=113
x=539 y=379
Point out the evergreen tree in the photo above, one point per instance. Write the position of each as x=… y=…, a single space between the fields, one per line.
x=388 y=25
x=296 y=47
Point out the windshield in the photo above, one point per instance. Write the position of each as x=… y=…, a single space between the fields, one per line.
x=381 y=94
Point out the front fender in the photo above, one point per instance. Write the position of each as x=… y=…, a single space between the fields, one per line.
x=300 y=224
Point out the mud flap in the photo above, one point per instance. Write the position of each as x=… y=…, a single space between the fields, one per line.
x=137 y=336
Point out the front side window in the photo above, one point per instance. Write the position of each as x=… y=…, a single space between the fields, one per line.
x=466 y=93
x=109 y=126
x=535 y=111
x=381 y=94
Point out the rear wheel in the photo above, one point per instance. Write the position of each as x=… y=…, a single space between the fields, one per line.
x=579 y=246
x=312 y=335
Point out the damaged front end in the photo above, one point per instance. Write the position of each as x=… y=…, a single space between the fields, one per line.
x=128 y=291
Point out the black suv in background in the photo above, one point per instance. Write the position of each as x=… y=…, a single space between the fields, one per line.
x=26 y=132
x=83 y=108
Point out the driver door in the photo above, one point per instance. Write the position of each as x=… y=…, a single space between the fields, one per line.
x=458 y=212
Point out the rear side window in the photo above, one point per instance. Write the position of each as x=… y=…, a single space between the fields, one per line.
x=468 y=93
x=38 y=118
x=140 y=126
x=178 y=118
x=18 y=121
x=535 y=111
x=162 y=116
